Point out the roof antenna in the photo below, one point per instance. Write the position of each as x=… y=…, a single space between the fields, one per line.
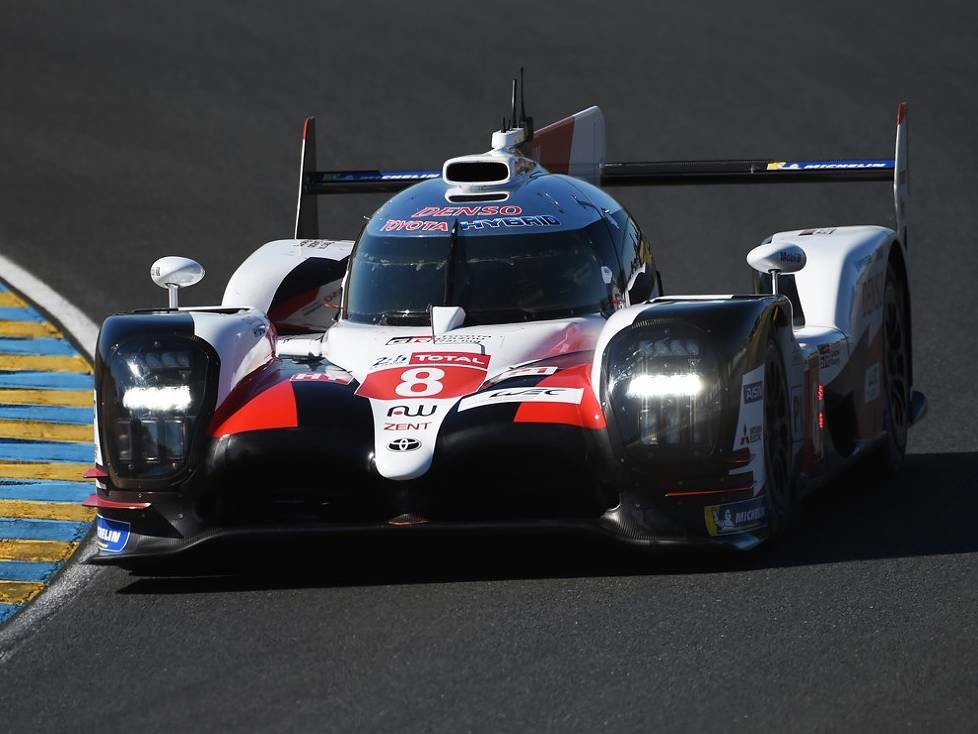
x=514 y=101
x=526 y=122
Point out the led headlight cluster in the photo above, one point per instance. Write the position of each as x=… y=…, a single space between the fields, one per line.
x=664 y=388
x=152 y=400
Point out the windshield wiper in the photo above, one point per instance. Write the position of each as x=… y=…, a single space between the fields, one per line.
x=387 y=317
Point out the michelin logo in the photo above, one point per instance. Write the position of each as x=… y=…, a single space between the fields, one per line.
x=735 y=517
x=825 y=165
x=111 y=535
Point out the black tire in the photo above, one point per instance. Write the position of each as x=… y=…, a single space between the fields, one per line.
x=894 y=377
x=778 y=460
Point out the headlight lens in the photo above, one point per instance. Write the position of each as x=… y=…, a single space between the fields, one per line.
x=664 y=388
x=152 y=400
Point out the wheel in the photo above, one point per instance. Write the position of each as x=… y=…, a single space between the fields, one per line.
x=895 y=377
x=779 y=482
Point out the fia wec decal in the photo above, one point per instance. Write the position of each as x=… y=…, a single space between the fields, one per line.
x=571 y=395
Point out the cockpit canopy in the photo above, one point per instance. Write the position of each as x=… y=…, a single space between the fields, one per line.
x=544 y=252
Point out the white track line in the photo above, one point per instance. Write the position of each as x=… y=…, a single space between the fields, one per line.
x=75 y=575
x=75 y=323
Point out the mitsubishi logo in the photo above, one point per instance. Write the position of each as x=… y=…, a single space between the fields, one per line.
x=404 y=444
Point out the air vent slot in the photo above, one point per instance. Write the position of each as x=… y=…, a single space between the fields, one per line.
x=488 y=196
x=476 y=172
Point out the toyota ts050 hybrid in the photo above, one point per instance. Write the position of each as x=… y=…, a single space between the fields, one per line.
x=496 y=351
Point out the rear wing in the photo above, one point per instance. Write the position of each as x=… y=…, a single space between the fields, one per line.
x=576 y=146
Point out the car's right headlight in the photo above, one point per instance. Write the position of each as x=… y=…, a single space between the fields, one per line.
x=153 y=402
x=664 y=388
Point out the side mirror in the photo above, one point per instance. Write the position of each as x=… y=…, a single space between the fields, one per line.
x=174 y=273
x=776 y=258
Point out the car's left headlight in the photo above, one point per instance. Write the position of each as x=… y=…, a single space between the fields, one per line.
x=664 y=389
x=153 y=397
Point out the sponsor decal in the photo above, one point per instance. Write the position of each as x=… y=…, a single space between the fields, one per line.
x=543 y=220
x=797 y=409
x=468 y=211
x=750 y=421
x=410 y=225
x=872 y=294
x=425 y=375
x=407 y=426
x=829 y=355
x=871 y=383
x=111 y=535
x=751 y=435
x=826 y=165
x=467 y=359
x=820 y=230
x=789 y=257
x=413 y=411
x=735 y=517
x=527 y=372
x=391 y=360
x=404 y=444
x=316 y=244
x=383 y=175
x=753 y=391
x=337 y=376
x=442 y=339
x=571 y=395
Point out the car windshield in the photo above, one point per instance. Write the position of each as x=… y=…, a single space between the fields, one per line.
x=495 y=278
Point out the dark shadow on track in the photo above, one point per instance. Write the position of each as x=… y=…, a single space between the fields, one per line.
x=929 y=509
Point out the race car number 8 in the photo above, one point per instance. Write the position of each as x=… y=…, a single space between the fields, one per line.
x=420 y=382
x=454 y=374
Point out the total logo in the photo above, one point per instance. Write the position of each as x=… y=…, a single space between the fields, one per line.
x=404 y=444
x=465 y=359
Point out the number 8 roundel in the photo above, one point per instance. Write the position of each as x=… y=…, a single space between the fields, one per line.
x=428 y=375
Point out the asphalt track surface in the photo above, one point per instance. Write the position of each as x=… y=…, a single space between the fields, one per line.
x=129 y=131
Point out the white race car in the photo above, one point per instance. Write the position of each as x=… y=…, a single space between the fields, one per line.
x=496 y=351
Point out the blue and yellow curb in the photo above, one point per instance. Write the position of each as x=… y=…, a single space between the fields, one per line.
x=45 y=447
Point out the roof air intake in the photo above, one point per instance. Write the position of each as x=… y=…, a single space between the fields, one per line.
x=476 y=171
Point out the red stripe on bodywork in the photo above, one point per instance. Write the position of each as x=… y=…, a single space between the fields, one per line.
x=586 y=415
x=273 y=408
x=96 y=472
x=701 y=492
x=280 y=311
x=96 y=501
x=552 y=145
